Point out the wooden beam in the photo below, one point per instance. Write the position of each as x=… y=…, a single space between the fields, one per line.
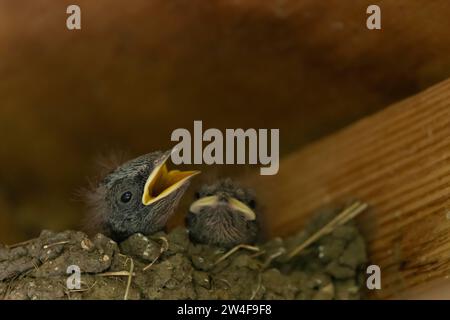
x=399 y=162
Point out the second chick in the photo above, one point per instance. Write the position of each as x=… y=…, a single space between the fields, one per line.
x=223 y=215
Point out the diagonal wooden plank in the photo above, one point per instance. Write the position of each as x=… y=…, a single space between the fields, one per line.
x=397 y=160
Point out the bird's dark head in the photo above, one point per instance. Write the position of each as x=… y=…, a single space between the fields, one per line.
x=138 y=196
x=223 y=215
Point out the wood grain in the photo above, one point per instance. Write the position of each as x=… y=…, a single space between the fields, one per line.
x=397 y=160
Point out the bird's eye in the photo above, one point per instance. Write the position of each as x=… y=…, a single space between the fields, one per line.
x=197 y=195
x=126 y=197
x=252 y=204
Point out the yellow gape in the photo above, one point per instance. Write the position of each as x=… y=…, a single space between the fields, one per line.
x=162 y=182
x=212 y=201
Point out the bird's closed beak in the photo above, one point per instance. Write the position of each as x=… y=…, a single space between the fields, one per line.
x=162 y=182
x=233 y=203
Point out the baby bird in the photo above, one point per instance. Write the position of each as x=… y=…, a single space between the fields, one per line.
x=223 y=215
x=137 y=197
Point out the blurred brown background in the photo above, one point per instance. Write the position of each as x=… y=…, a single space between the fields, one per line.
x=140 y=69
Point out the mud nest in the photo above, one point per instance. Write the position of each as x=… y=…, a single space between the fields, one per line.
x=169 y=266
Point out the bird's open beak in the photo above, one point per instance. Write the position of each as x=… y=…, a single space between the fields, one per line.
x=162 y=182
x=233 y=203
